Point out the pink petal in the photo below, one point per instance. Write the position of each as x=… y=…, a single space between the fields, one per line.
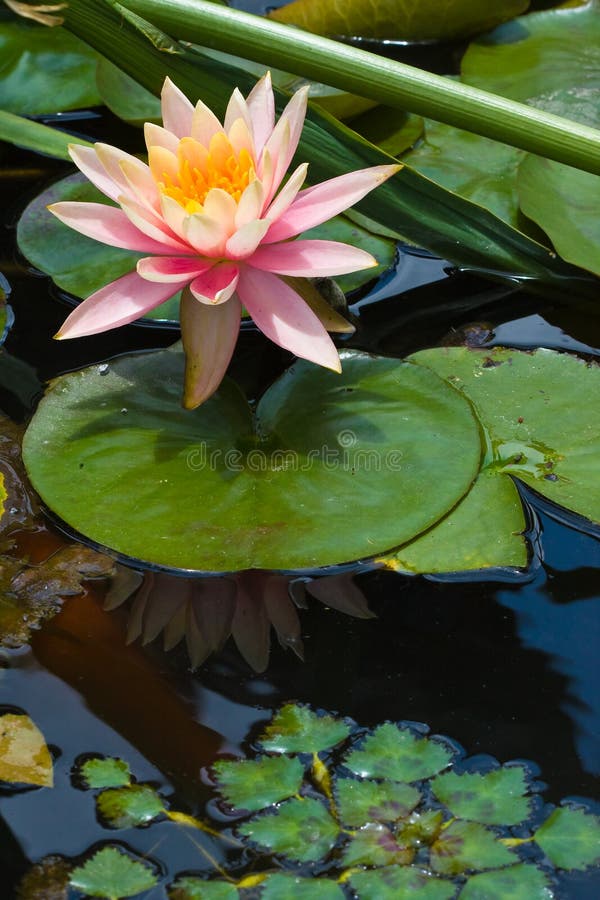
x=275 y=151
x=163 y=163
x=246 y=239
x=287 y=194
x=218 y=204
x=323 y=201
x=174 y=215
x=204 y=124
x=261 y=105
x=285 y=318
x=177 y=111
x=216 y=285
x=111 y=158
x=87 y=161
x=171 y=268
x=250 y=204
x=119 y=303
x=292 y=118
x=311 y=259
x=236 y=109
x=141 y=183
x=240 y=137
x=156 y=136
x=107 y=225
x=207 y=236
x=152 y=225
x=209 y=335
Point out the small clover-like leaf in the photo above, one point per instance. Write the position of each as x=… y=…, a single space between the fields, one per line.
x=570 y=838
x=520 y=882
x=112 y=875
x=301 y=830
x=24 y=756
x=109 y=772
x=360 y=802
x=255 y=784
x=495 y=798
x=375 y=845
x=468 y=846
x=297 y=729
x=191 y=888
x=401 y=883
x=292 y=887
x=396 y=753
x=129 y=807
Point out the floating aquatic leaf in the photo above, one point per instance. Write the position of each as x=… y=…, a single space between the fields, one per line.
x=106 y=772
x=495 y=798
x=292 y=887
x=468 y=846
x=297 y=729
x=122 y=433
x=401 y=883
x=421 y=827
x=190 y=888
x=255 y=784
x=376 y=845
x=112 y=874
x=125 y=97
x=359 y=802
x=396 y=753
x=24 y=756
x=520 y=882
x=301 y=830
x=47 y=879
x=570 y=838
x=129 y=807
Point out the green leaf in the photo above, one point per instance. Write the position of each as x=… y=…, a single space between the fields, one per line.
x=376 y=845
x=34 y=136
x=466 y=846
x=129 y=807
x=255 y=784
x=105 y=772
x=190 y=888
x=45 y=70
x=297 y=729
x=121 y=433
x=301 y=830
x=570 y=838
x=520 y=882
x=496 y=798
x=113 y=875
x=291 y=887
x=406 y=21
x=401 y=883
x=125 y=97
x=24 y=755
x=397 y=754
x=525 y=404
x=360 y=802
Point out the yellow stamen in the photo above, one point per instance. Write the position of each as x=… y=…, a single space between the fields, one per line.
x=201 y=169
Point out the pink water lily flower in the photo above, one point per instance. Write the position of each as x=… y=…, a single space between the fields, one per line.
x=209 y=213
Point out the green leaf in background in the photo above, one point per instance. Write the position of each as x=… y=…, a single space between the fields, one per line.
x=301 y=830
x=129 y=807
x=376 y=845
x=536 y=432
x=520 y=882
x=44 y=70
x=291 y=887
x=401 y=883
x=24 y=754
x=468 y=846
x=253 y=784
x=190 y=888
x=118 y=434
x=105 y=773
x=125 y=97
x=391 y=129
x=570 y=838
x=360 y=802
x=496 y=798
x=297 y=729
x=113 y=875
x=34 y=136
x=393 y=20
x=397 y=754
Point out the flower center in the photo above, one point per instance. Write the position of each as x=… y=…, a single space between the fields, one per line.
x=201 y=169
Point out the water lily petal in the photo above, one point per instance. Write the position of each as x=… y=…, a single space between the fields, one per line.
x=287 y=194
x=174 y=215
x=250 y=204
x=261 y=104
x=152 y=225
x=163 y=164
x=240 y=137
x=209 y=335
x=206 y=235
x=276 y=149
x=323 y=201
x=141 y=183
x=111 y=158
x=285 y=318
x=204 y=124
x=171 y=268
x=177 y=111
x=155 y=136
x=220 y=205
x=311 y=259
x=216 y=285
x=329 y=317
x=236 y=109
x=86 y=160
x=108 y=225
x=246 y=239
x=119 y=303
x=292 y=121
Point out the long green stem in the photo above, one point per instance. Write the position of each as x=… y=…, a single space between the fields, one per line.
x=368 y=75
x=35 y=136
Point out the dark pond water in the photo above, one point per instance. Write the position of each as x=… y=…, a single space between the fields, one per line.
x=505 y=667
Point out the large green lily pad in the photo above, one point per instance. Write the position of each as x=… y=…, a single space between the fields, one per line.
x=330 y=468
